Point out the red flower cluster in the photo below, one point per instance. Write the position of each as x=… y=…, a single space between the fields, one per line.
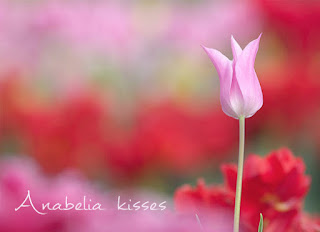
x=274 y=186
x=58 y=134
x=81 y=131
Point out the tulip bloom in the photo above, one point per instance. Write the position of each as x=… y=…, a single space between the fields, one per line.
x=240 y=90
x=240 y=97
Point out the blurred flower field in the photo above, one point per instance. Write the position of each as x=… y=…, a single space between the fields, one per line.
x=108 y=98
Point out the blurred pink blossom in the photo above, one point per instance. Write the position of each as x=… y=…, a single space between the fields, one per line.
x=63 y=39
x=211 y=23
x=18 y=175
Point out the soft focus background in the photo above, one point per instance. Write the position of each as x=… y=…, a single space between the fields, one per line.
x=123 y=92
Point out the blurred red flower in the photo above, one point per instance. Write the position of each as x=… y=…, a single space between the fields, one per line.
x=58 y=133
x=69 y=134
x=297 y=22
x=202 y=197
x=182 y=137
x=291 y=101
x=79 y=131
x=171 y=138
x=274 y=185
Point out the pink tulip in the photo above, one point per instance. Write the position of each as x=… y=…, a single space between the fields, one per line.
x=240 y=90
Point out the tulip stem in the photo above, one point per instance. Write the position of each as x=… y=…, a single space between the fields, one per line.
x=239 y=175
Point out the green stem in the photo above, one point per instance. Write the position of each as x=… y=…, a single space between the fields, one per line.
x=240 y=173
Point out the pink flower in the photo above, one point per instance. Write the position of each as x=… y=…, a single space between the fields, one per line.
x=240 y=90
x=18 y=175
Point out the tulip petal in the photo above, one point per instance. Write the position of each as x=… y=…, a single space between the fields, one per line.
x=229 y=103
x=225 y=71
x=244 y=67
x=247 y=78
x=255 y=101
x=236 y=49
x=221 y=63
x=250 y=51
x=237 y=100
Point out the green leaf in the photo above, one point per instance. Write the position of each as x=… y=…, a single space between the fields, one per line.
x=260 y=223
